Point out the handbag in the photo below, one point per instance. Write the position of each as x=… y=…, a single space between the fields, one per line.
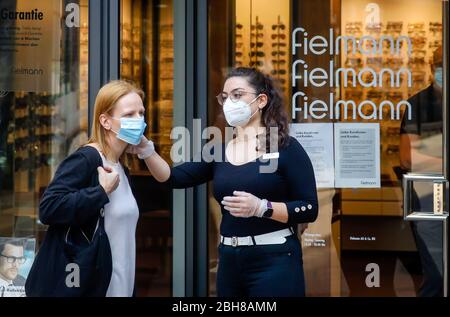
x=72 y=265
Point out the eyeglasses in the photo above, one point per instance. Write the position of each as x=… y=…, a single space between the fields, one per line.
x=280 y=53
x=239 y=26
x=394 y=62
x=353 y=27
x=374 y=94
x=417 y=33
x=281 y=62
x=353 y=62
x=369 y=45
x=392 y=149
x=435 y=27
x=278 y=71
x=434 y=44
x=257 y=44
x=278 y=44
x=374 y=27
x=12 y=259
x=257 y=35
x=418 y=42
x=353 y=94
x=280 y=26
x=259 y=54
x=368 y=77
x=395 y=43
x=394 y=96
x=235 y=96
x=394 y=26
x=419 y=53
x=417 y=61
x=415 y=26
x=259 y=26
x=256 y=63
x=281 y=36
x=374 y=61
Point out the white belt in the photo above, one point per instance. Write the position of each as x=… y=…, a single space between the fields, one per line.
x=275 y=237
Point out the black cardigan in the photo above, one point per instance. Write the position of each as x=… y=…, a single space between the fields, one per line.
x=74 y=198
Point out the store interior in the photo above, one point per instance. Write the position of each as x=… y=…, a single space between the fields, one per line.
x=355 y=226
x=147 y=59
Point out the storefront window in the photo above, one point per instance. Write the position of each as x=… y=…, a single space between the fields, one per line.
x=358 y=226
x=147 y=60
x=43 y=105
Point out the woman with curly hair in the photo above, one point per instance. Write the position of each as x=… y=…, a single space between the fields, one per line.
x=259 y=253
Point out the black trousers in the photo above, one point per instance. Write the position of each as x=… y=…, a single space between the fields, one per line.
x=262 y=270
x=428 y=236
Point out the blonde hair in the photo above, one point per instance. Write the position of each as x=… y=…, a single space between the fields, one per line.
x=105 y=102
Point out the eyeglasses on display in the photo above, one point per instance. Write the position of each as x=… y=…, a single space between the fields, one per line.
x=234 y=96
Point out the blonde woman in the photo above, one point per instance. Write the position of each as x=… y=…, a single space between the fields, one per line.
x=90 y=192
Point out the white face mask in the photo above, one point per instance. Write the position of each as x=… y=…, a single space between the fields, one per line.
x=238 y=113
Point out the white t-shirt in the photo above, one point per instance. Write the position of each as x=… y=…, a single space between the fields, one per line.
x=121 y=216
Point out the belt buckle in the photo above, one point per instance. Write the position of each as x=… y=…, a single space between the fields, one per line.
x=234 y=242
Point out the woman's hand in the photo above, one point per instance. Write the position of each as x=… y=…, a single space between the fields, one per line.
x=143 y=150
x=244 y=204
x=108 y=178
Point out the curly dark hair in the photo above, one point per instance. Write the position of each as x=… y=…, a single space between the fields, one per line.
x=274 y=113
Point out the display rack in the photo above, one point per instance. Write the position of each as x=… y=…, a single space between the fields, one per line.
x=279 y=52
x=417 y=63
x=256 y=53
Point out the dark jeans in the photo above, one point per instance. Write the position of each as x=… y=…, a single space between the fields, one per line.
x=261 y=271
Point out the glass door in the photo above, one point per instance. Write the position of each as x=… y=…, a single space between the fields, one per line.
x=43 y=113
x=146 y=58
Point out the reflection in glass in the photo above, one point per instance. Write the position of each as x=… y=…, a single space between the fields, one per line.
x=39 y=128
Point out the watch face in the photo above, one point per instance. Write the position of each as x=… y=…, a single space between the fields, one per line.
x=268 y=213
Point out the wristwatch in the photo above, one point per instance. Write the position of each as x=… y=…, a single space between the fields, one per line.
x=269 y=212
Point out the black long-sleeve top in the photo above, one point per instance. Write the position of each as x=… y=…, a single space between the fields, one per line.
x=293 y=183
x=74 y=196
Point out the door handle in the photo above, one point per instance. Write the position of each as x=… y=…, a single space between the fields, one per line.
x=440 y=183
x=411 y=215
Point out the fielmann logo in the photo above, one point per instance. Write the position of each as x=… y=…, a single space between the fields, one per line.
x=366 y=45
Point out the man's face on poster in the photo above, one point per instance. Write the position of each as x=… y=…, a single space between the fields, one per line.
x=11 y=258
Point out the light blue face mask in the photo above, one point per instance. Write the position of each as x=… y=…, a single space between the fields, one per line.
x=131 y=130
x=438 y=76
